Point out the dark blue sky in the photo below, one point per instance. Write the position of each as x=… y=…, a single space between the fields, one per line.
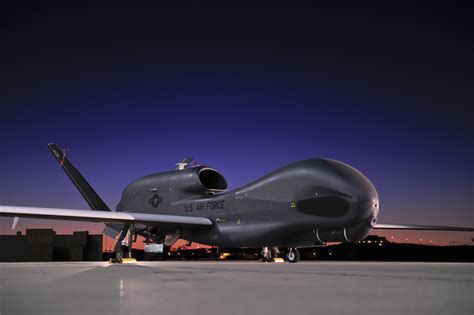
x=133 y=90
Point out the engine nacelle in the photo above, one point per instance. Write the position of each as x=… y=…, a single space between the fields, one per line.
x=194 y=180
x=160 y=189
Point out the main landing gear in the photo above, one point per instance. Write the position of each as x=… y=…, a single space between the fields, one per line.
x=118 y=249
x=269 y=254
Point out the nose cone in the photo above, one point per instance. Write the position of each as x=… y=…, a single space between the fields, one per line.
x=363 y=197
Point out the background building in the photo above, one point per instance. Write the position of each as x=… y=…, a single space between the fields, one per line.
x=45 y=245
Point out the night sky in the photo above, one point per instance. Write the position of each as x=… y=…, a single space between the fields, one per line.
x=131 y=91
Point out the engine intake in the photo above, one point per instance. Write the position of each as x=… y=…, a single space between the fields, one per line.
x=212 y=179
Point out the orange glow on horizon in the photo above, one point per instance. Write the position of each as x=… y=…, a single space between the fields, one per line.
x=441 y=238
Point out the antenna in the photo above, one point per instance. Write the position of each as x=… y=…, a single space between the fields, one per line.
x=184 y=163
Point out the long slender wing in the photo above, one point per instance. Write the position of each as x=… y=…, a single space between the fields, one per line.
x=103 y=216
x=421 y=227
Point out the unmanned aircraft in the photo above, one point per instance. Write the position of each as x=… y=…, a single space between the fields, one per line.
x=304 y=204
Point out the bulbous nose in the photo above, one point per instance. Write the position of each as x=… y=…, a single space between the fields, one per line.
x=363 y=196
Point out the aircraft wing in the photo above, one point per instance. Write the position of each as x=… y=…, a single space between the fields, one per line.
x=421 y=227
x=103 y=216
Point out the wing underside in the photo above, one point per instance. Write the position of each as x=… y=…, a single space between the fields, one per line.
x=104 y=216
x=421 y=227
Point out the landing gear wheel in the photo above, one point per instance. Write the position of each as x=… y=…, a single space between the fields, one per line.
x=118 y=257
x=293 y=255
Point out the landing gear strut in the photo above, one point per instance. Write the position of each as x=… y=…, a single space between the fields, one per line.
x=118 y=249
x=292 y=255
x=269 y=253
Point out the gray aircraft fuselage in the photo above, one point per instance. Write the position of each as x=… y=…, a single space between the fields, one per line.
x=306 y=203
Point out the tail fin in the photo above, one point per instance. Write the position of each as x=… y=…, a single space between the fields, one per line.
x=89 y=194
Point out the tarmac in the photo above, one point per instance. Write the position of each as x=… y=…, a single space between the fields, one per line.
x=237 y=287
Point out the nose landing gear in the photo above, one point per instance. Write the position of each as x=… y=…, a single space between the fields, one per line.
x=292 y=255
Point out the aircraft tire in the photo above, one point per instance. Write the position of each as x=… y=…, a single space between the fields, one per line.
x=118 y=257
x=292 y=255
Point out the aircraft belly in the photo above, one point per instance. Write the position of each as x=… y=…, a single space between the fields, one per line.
x=236 y=236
